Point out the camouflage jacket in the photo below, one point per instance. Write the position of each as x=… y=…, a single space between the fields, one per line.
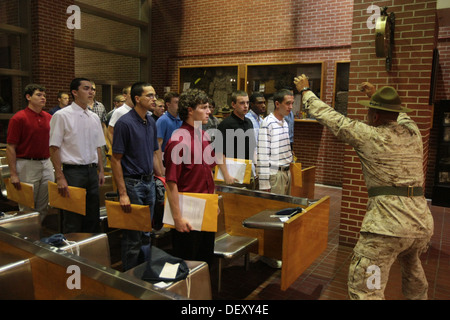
x=390 y=155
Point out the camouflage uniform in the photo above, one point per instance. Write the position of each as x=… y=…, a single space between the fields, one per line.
x=394 y=226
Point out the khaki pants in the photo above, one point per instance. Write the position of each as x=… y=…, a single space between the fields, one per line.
x=37 y=173
x=280 y=183
x=372 y=259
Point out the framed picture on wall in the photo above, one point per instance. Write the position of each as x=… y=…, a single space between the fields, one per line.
x=218 y=82
x=269 y=78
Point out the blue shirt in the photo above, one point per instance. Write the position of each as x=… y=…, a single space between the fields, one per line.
x=136 y=140
x=290 y=120
x=166 y=125
x=57 y=108
x=256 y=121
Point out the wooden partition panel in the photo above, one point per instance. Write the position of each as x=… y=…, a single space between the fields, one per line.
x=239 y=207
x=308 y=184
x=298 y=244
x=305 y=237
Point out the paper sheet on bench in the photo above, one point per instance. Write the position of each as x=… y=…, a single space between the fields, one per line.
x=235 y=169
x=169 y=271
x=192 y=209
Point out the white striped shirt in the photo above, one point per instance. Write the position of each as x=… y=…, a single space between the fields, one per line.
x=274 y=149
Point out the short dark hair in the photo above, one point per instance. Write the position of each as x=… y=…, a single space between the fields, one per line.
x=238 y=93
x=280 y=94
x=137 y=89
x=191 y=98
x=75 y=84
x=256 y=95
x=61 y=93
x=169 y=95
x=31 y=88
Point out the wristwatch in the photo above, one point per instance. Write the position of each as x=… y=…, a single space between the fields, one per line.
x=304 y=89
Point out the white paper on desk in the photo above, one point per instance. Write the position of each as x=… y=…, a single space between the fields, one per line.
x=169 y=271
x=192 y=209
x=235 y=169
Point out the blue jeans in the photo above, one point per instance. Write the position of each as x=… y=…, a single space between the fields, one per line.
x=142 y=193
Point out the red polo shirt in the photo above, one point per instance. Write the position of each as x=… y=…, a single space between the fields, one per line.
x=189 y=160
x=30 y=132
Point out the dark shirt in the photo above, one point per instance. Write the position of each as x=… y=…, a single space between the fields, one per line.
x=57 y=108
x=238 y=144
x=136 y=140
x=155 y=117
x=189 y=163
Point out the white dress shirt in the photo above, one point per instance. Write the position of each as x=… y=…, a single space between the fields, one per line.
x=77 y=132
x=118 y=113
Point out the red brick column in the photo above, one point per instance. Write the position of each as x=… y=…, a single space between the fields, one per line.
x=53 y=53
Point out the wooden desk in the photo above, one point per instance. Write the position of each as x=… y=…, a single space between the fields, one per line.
x=300 y=240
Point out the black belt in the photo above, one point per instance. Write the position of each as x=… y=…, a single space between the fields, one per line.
x=396 y=191
x=145 y=178
x=34 y=159
x=90 y=165
x=285 y=168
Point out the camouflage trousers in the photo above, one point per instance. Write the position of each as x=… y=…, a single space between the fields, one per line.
x=372 y=259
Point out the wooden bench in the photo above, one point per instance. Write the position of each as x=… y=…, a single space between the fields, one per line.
x=302 y=239
x=228 y=247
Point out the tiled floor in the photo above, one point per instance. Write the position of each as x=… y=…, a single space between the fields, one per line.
x=326 y=279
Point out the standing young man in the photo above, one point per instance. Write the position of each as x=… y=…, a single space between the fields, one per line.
x=134 y=163
x=27 y=147
x=169 y=121
x=190 y=170
x=125 y=108
x=274 y=148
x=76 y=139
x=257 y=111
x=63 y=101
x=237 y=133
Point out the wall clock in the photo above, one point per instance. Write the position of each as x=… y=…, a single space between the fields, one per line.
x=384 y=36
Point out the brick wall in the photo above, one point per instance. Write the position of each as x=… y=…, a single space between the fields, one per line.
x=410 y=75
x=194 y=33
x=53 y=61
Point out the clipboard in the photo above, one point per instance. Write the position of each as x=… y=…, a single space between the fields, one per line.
x=138 y=219
x=296 y=174
x=75 y=203
x=211 y=205
x=235 y=167
x=25 y=196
